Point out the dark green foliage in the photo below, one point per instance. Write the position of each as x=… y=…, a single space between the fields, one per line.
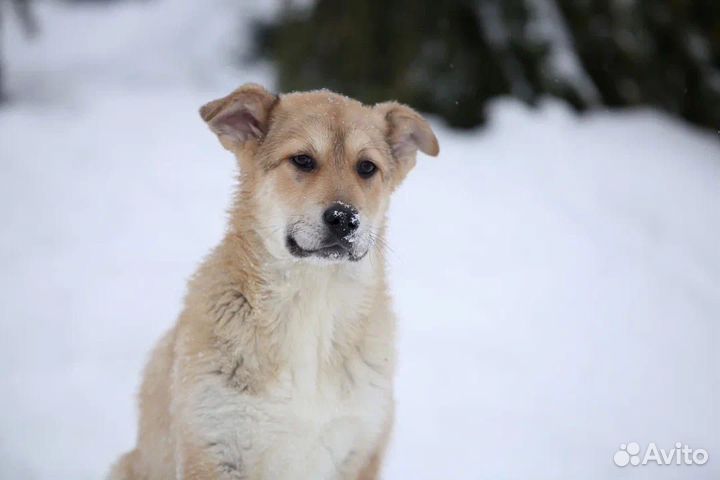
x=652 y=52
x=430 y=55
x=450 y=57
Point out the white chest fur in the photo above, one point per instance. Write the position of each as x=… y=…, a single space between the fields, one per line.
x=327 y=408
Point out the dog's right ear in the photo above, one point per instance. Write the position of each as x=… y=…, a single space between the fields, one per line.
x=241 y=116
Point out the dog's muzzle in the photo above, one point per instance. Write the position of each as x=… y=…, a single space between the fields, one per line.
x=341 y=223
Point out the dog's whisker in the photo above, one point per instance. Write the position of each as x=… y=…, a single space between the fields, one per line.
x=378 y=240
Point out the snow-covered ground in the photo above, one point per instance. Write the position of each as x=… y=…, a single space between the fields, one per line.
x=557 y=278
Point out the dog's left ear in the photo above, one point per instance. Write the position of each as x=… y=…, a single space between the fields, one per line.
x=241 y=116
x=407 y=132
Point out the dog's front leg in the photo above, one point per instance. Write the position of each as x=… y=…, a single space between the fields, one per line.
x=195 y=464
x=202 y=463
x=204 y=446
x=371 y=469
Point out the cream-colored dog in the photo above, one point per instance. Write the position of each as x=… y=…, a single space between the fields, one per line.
x=281 y=364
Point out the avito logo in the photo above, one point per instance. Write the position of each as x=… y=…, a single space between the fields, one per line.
x=630 y=454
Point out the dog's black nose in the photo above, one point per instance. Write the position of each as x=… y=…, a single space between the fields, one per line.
x=341 y=219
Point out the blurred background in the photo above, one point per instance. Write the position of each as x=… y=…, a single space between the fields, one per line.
x=577 y=309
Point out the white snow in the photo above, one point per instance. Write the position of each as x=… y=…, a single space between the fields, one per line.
x=557 y=278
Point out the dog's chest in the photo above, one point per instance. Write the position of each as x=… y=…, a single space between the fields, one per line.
x=326 y=408
x=321 y=430
x=305 y=425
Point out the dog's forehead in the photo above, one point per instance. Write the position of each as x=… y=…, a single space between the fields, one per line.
x=325 y=110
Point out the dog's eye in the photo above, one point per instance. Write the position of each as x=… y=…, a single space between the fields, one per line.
x=366 y=168
x=303 y=162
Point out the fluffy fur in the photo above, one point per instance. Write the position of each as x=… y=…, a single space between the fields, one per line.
x=281 y=367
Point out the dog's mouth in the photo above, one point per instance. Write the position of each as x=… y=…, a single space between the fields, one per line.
x=330 y=250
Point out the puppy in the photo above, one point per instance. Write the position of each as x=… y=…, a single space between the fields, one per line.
x=281 y=363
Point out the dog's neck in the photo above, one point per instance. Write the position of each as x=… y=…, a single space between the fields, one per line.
x=288 y=314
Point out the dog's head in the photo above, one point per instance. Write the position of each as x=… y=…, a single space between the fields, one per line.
x=318 y=167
